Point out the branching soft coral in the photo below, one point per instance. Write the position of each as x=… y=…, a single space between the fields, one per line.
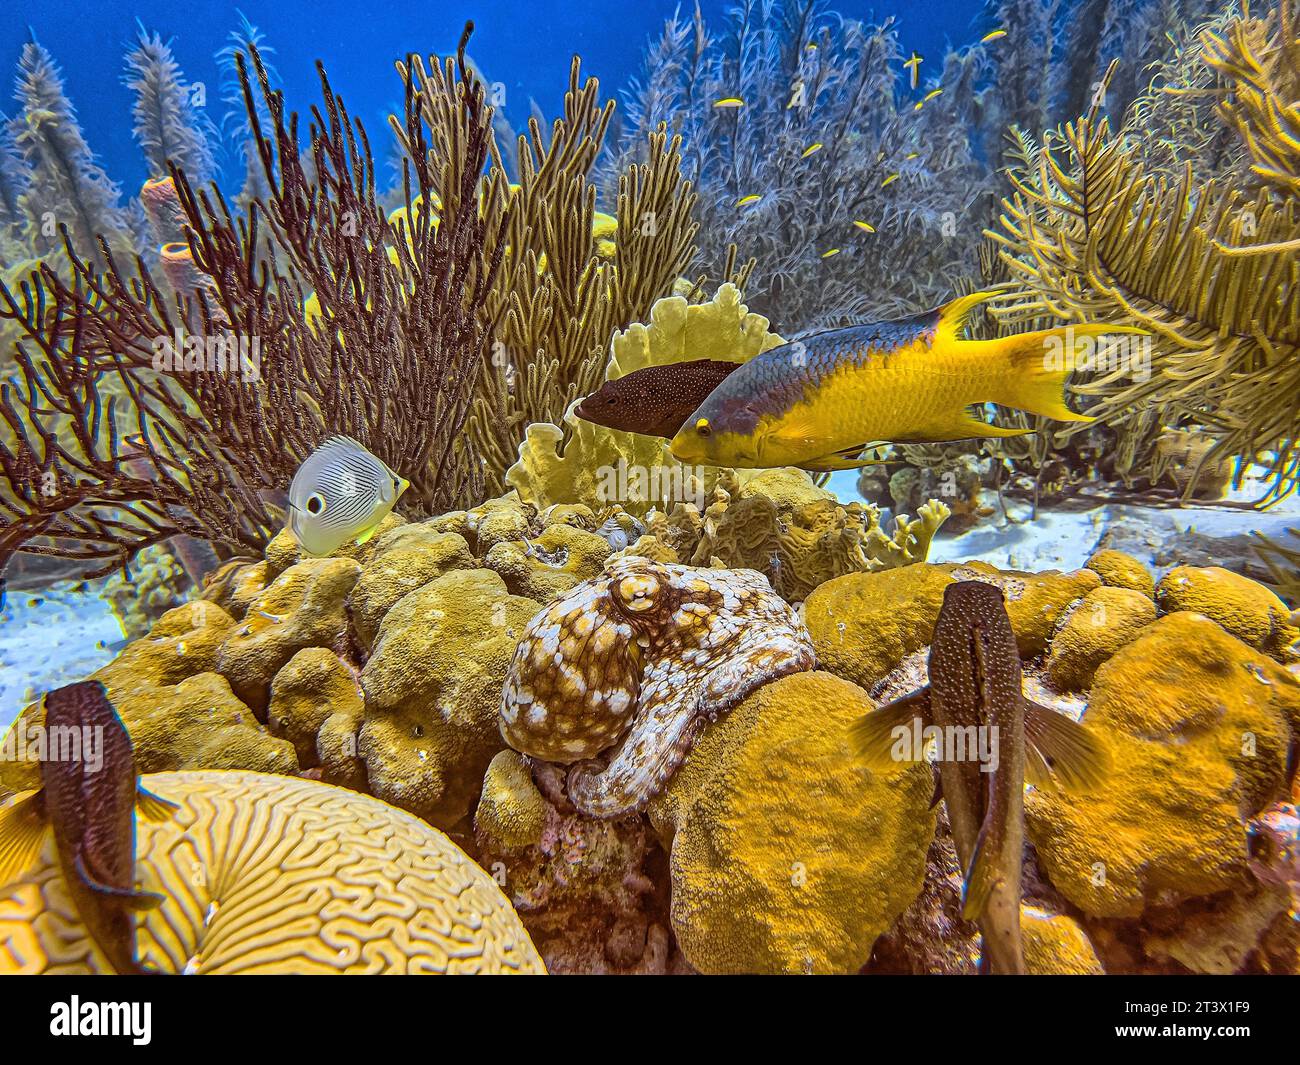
x=558 y=298
x=105 y=451
x=166 y=122
x=1090 y=236
x=824 y=135
x=67 y=186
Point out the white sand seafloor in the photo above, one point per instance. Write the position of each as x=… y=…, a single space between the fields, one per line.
x=60 y=634
x=49 y=637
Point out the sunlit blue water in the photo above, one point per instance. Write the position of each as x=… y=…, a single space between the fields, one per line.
x=526 y=46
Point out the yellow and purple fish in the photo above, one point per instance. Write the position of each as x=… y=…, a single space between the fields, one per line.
x=819 y=402
x=88 y=799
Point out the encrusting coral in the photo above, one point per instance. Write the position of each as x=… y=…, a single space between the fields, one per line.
x=1197 y=725
x=786 y=854
x=248 y=888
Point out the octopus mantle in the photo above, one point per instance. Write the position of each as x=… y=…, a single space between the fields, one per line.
x=617 y=678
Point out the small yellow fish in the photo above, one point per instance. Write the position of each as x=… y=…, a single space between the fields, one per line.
x=913 y=63
x=866 y=227
x=912 y=155
x=744 y=201
x=828 y=254
x=889 y=180
x=992 y=36
x=729 y=101
x=341 y=492
x=812 y=149
x=931 y=95
x=819 y=404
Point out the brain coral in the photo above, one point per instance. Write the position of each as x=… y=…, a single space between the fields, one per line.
x=580 y=462
x=786 y=853
x=266 y=874
x=1198 y=725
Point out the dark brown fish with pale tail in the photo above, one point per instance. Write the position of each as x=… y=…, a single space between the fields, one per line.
x=88 y=798
x=655 y=401
x=992 y=739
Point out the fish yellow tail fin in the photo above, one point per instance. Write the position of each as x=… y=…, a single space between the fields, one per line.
x=1034 y=366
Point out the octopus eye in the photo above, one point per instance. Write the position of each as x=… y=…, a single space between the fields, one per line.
x=315 y=503
x=637 y=594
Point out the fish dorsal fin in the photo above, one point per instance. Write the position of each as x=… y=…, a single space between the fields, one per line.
x=954 y=314
x=153 y=807
x=1078 y=758
x=135 y=900
x=22 y=832
x=872 y=736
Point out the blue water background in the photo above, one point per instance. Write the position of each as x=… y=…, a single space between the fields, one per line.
x=527 y=46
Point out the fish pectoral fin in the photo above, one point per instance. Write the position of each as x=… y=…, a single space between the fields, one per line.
x=22 y=832
x=844 y=459
x=981 y=877
x=872 y=736
x=1078 y=759
x=970 y=424
x=133 y=899
x=153 y=807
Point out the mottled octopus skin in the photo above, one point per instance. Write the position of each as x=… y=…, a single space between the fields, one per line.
x=617 y=678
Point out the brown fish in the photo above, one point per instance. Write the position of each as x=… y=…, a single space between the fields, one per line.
x=88 y=798
x=655 y=401
x=991 y=740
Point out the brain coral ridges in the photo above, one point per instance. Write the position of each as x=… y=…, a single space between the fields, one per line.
x=633 y=663
x=268 y=874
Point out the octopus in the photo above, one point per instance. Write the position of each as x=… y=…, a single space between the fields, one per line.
x=616 y=679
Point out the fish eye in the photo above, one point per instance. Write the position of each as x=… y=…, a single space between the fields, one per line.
x=611 y=401
x=315 y=503
x=702 y=427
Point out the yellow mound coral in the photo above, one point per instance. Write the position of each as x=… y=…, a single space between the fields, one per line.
x=1104 y=621
x=179 y=712
x=1036 y=602
x=1055 y=945
x=262 y=874
x=1197 y=727
x=1119 y=570
x=302 y=607
x=547 y=566
x=1247 y=609
x=786 y=854
x=511 y=811
x=408 y=557
x=863 y=625
x=433 y=686
x=586 y=463
x=313 y=686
